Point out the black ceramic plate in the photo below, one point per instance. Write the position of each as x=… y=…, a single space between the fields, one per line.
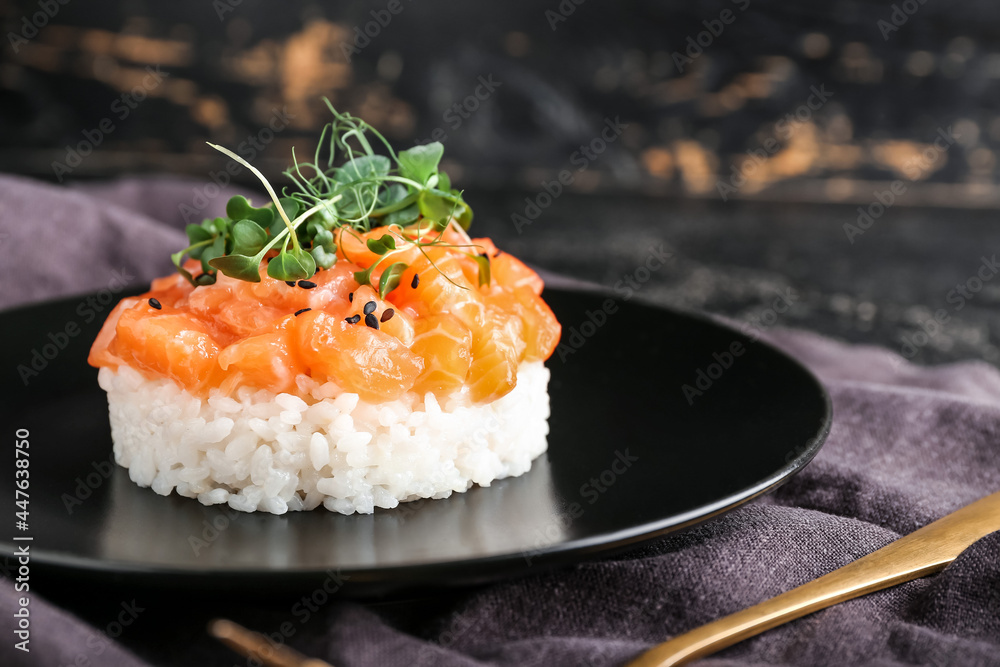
x=630 y=458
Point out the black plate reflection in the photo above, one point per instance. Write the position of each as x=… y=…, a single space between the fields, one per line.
x=630 y=458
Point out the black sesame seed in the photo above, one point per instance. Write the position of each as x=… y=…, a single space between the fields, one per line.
x=350 y=297
x=415 y=281
x=496 y=254
x=155 y=304
x=306 y=284
x=387 y=315
x=371 y=320
x=353 y=319
x=370 y=307
x=290 y=283
x=302 y=310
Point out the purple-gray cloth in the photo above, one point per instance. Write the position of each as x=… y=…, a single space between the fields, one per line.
x=908 y=445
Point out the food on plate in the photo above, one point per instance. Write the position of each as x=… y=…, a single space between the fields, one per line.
x=347 y=344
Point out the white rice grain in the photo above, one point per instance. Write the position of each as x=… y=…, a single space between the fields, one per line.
x=259 y=451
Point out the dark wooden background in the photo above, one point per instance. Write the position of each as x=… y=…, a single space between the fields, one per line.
x=894 y=82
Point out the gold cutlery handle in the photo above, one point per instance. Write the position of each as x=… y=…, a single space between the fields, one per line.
x=923 y=552
x=259 y=647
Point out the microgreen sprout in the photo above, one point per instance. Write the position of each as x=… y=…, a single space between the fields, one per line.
x=347 y=188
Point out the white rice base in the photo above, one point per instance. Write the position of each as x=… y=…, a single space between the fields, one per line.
x=260 y=451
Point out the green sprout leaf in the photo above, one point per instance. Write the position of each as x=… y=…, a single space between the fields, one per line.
x=178 y=259
x=403 y=216
x=420 y=162
x=323 y=258
x=323 y=237
x=217 y=249
x=238 y=208
x=197 y=234
x=434 y=206
x=194 y=251
x=363 y=168
x=364 y=277
x=357 y=202
x=484 y=269
x=216 y=226
x=463 y=215
x=381 y=245
x=392 y=194
x=248 y=238
x=198 y=249
x=294 y=264
x=291 y=209
x=239 y=267
x=390 y=278
x=444 y=182
x=440 y=206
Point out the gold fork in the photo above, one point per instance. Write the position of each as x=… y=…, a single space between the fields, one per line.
x=257 y=646
x=923 y=552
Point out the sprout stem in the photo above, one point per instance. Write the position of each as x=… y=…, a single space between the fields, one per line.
x=267 y=186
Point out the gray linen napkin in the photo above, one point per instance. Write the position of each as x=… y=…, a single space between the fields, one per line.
x=908 y=445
